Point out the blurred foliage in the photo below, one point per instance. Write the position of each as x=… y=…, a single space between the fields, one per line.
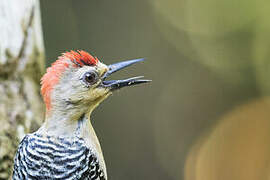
x=205 y=114
x=237 y=148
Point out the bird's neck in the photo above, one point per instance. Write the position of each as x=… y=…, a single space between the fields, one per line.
x=67 y=122
x=72 y=123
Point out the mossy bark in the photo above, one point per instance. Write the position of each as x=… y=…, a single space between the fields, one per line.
x=21 y=66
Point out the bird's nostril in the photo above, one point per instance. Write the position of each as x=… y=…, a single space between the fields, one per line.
x=104 y=72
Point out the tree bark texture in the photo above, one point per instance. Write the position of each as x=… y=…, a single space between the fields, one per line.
x=21 y=66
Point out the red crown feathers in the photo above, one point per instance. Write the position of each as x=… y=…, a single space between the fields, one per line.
x=80 y=58
x=52 y=76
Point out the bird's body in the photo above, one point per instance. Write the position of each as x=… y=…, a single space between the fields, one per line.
x=66 y=146
x=47 y=157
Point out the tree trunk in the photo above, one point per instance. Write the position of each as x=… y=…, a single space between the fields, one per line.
x=21 y=66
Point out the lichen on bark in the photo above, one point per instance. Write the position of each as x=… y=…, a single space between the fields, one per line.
x=21 y=66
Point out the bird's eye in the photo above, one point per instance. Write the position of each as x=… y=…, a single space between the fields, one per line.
x=90 y=77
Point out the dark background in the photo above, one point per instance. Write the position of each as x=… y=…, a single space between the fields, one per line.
x=209 y=64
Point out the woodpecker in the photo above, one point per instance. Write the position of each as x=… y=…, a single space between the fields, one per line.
x=66 y=146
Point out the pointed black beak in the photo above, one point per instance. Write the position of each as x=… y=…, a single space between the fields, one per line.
x=117 y=84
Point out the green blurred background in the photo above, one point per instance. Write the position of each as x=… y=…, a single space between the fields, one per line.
x=206 y=114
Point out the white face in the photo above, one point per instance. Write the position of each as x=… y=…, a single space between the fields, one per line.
x=79 y=87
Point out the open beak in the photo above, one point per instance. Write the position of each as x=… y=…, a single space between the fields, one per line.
x=117 y=84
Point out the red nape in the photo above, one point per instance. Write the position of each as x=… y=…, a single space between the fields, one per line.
x=53 y=74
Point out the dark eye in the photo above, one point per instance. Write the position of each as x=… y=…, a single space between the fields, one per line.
x=90 y=77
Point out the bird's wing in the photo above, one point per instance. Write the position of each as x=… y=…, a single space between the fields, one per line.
x=46 y=158
x=18 y=170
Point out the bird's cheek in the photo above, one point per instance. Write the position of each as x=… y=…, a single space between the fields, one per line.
x=99 y=92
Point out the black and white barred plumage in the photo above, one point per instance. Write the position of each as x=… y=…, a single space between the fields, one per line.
x=40 y=157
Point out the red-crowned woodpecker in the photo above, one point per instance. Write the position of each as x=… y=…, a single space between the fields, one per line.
x=66 y=146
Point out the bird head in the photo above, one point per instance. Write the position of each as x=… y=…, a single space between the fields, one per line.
x=77 y=80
